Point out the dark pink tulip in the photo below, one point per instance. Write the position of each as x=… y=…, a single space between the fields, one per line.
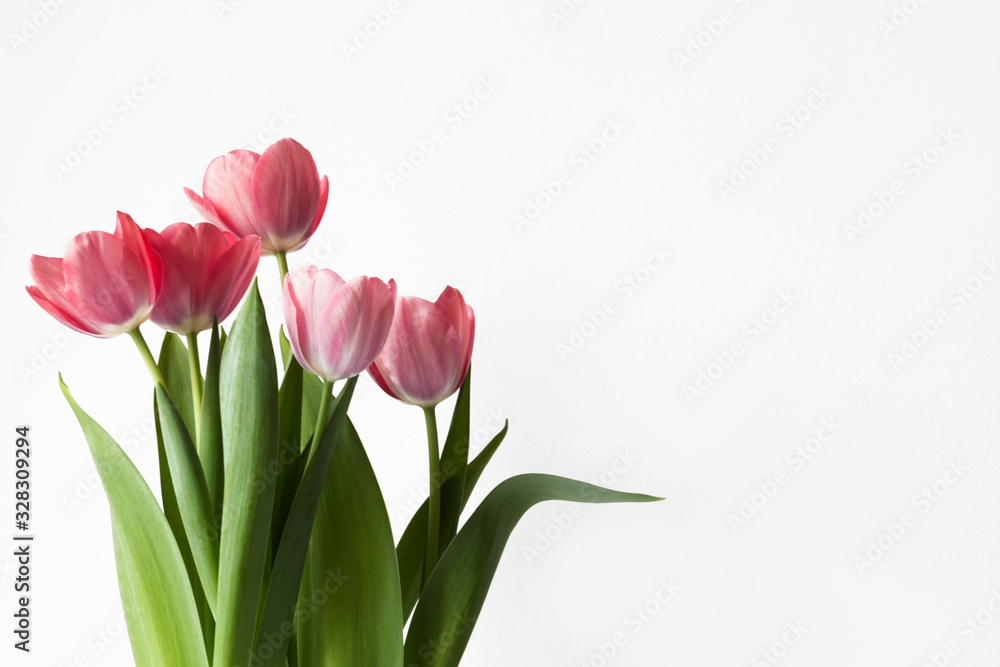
x=277 y=196
x=336 y=328
x=427 y=355
x=106 y=284
x=206 y=271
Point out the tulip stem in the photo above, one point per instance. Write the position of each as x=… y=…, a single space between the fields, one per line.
x=321 y=418
x=194 y=360
x=147 y=356
x=282 y=264
x=434 y=500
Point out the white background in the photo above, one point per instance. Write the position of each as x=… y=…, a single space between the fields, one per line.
x=230 y=75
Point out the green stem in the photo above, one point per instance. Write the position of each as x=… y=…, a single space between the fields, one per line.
x=147 y=356
x=282 y=264
x=196 y=391
x=321 y=419
x=434 y=501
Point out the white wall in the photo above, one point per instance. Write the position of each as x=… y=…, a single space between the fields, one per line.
x=850 y=297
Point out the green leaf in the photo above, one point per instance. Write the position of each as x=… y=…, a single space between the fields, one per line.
x=249 y=409
x=191 y=493
x=289 y=562
x=353 y=563
x=210 y=442
x=451 y=601
x=412 y=550
x=289 y=446
x=454 y=461
x=159 y=603
x=176 y=370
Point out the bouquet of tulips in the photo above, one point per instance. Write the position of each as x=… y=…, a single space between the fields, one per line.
x=272 y=545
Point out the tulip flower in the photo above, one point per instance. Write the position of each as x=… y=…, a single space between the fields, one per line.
x=336 y=328
x=107 y=284
x=425 y=359
x=277 y=196
x=423 y=362
x=206 y=271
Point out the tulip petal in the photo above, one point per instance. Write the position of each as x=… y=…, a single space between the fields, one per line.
x=227 y=186
x=231 y=276
x=423 y=354
x=131 y=235
x=286 y=193
x=106 y=282
x=356 y=324
x=206 y=209
x=173 y=309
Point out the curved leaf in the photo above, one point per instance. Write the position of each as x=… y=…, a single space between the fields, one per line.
x=451 y=601
x=210 y=438
x=158 y=600
x=249 y=409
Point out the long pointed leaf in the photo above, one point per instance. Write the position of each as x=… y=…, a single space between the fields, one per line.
x=360 y=624
x=249 y=408
x=158 y=600
x=451 y=601
x=289 y=562
x=192 y=495
x=454 y=461
x=210 y=438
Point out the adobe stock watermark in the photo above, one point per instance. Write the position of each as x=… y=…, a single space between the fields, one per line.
x=123 y=106
x=912 y=170
x=632 y=624
x=897 y=19
x=921 y=504
x=785 y=130
x=32 y=24
x=710 y=372
x=41 y=358
x=796 y=460
x=86 y=487
x=623 y=290
x=99 y=642
x=711 y=30
x=451 y=121
x=561 y=522
x=305 y=608
x=967 y=631
x=928 y=328
x=223 y=8
x=562 y=11
x=582 y=159
x=365 y=33
x=776 y=651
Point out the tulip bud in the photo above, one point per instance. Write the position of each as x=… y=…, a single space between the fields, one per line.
x=336 y=328
x=426 y=356
x=277 y=196
x=206 y=271
x=107 y=284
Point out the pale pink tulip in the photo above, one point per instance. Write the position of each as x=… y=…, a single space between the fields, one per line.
x=426 y=356
x=277 y=196
x=336 y=328
x=107 y=284
x=206 y=271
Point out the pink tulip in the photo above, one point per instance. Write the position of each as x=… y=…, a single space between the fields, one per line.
x=206 y=271
x=106 y=285
x=278 y=196
x=427 y=355
x=336 y=328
